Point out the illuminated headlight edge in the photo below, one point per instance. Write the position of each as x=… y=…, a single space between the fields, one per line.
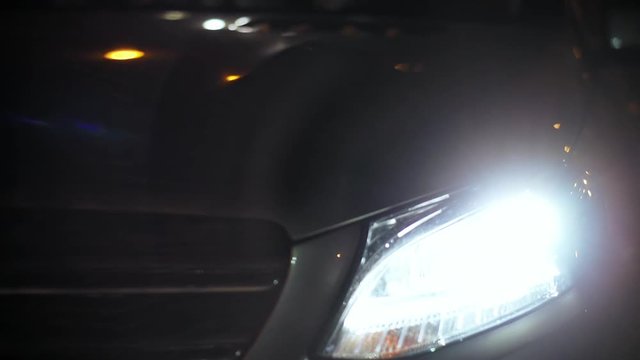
x=449 y=268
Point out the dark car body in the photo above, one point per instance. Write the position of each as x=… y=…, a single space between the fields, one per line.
x=155 y=209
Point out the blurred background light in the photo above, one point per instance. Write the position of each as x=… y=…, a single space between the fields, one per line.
x=173 y=15
x=232 y=77
x=124 y=54
x=242 y=21
x=214 y=24
x=245 y=29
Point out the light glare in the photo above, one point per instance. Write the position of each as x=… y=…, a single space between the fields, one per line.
x=174 y=15
x=123 y=54
x=245 y=29
x=440 y=286
x=214 y=24
x=230 y=78
x=616 y=42
x=242 y=21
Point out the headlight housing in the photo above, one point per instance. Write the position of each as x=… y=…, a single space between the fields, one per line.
x=449 y=268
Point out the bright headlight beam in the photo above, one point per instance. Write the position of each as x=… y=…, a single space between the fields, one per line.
x=441 y=285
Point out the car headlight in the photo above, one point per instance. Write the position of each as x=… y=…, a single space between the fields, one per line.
x=446 y=269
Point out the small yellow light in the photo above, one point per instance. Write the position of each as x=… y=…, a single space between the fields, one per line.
x=556 y=126
x=174 y=15
x=230 y=78
x=567 y=148
x=584 y=181
x=124 y=54
x=338 y=255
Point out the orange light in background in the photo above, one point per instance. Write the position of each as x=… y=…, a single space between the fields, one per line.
x=577 y=52
x=409 y=67
x=402 y=67
x=233 y=77
x=557 y=126
x=567 y=148
x=350 y=30
x=123 y=54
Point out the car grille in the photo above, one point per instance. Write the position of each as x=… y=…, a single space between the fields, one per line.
x=95 y=284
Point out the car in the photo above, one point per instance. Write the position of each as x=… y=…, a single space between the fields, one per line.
x=327 y=180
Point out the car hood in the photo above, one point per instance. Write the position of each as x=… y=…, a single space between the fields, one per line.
x=332 y=117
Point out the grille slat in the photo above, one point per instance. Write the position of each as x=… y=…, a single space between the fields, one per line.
x=79 y=283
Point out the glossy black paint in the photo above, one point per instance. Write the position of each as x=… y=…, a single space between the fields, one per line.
x=323 y=128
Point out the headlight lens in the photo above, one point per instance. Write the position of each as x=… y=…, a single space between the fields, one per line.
x=446 y=269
